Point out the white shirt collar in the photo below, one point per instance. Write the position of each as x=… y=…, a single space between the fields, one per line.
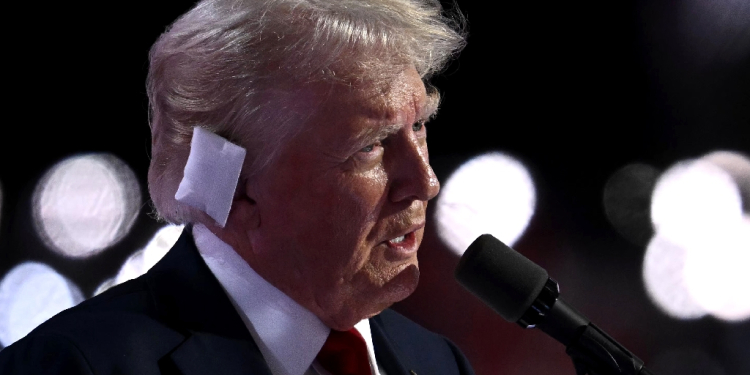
x=288 y=335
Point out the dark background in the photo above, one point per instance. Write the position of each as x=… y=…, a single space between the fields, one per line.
x=574 y=90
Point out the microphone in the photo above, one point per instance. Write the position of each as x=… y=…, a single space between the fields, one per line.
x=522 y=292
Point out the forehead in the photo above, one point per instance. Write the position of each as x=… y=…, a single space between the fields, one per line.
x=357 y=109
x=386 y=99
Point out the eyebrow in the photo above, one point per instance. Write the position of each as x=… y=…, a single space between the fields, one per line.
x=380 y=132
x=425 y=113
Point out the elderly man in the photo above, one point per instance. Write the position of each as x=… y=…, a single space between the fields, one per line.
x=290 y=136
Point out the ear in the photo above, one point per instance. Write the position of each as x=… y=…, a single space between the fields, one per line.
x=243 y=220
x=244 y=207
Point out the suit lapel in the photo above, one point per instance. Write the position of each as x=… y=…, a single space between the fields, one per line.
x=189 y=298
x=385 y=352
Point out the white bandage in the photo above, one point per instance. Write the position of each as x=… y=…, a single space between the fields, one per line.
x=211 y=174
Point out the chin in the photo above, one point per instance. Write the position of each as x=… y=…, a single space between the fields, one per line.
x=401 y=286
x=373 y=302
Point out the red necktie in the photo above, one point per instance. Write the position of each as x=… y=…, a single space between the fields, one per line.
x=345 y=353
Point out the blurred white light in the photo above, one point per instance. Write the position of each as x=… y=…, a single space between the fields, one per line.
x=492 y=193
x=85 y=204
x=142 y=260
x=664 y=277
x=30 y=294
x=738 y=166
x=160 y=244
x=697 y=208
x=694 y=200
x=716 y=272
x=106 y=284
x=132 y=268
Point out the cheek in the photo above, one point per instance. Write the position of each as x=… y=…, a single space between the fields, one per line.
x=332 y=216
x=359 y=203
x=354 y=207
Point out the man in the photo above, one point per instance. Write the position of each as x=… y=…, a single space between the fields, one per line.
x=290 y=137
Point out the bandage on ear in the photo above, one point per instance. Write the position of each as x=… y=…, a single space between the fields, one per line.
x=211 y=174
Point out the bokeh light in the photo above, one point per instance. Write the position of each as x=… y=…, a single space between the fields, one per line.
x=142 y=260
x=664 y=276
x=716 y=272
x=627 y=201
x=492 y=193
x=30 y=294
x=736 y=165
x=701 y=250
x=85 y=204
x=694 y=200
x=104 y=286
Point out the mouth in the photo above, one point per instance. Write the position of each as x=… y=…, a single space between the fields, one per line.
x=406 y=242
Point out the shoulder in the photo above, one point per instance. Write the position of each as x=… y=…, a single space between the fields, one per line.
x=103 y=317
x=44 y=354
x=116 y=326
x=433 y=353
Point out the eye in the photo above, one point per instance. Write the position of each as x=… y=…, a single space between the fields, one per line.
x=369 y=148
x=419 y=125
x=368 y=156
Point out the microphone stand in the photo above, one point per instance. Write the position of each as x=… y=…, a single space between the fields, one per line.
x=593 y=351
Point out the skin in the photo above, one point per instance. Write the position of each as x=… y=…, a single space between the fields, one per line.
x=317 y=222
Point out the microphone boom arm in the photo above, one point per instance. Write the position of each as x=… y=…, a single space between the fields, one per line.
x=522 y=292
x=593 y=351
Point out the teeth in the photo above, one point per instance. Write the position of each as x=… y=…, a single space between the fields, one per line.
x=398 y=239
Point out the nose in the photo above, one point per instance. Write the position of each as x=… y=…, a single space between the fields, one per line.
x=413 y=177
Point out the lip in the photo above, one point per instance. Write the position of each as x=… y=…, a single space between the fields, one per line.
x=409 y=245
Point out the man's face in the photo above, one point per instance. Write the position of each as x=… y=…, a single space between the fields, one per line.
x=342 y=207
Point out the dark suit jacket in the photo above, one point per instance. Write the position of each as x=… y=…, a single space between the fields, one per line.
x=176 y=319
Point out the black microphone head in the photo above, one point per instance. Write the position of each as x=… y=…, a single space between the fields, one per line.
x=501 y=277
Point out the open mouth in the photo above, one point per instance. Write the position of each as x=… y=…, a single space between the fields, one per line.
x=398 y=239
x=406 y=243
